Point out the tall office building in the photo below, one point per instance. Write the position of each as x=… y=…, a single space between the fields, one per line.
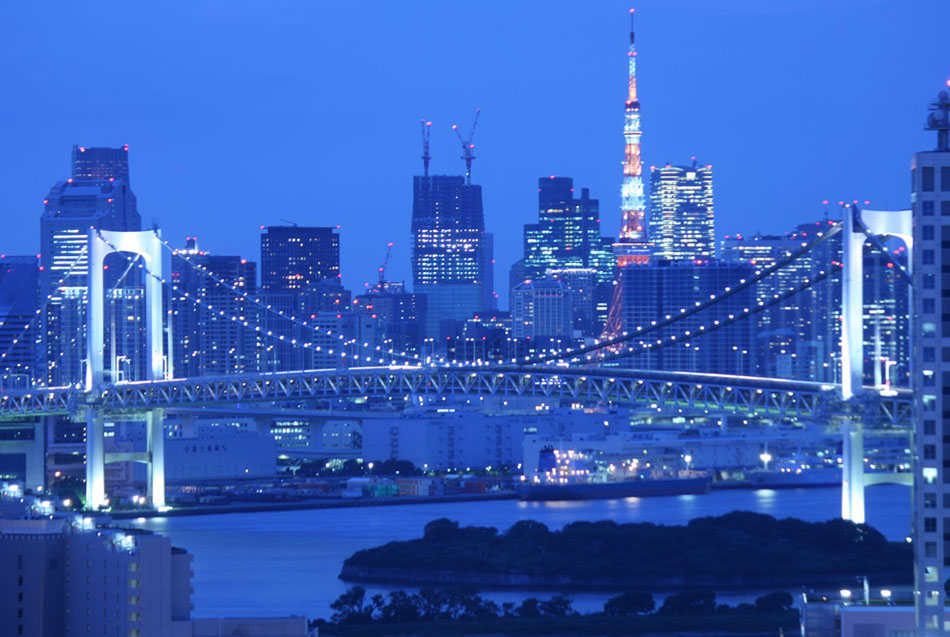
x=930 y=202
x=567 y=234
x=450 y=251
x=662 y=288
x=65 y=576
x=19 y=300
x=70 y=209
x=798 y=337
x=567 y=237
x=296 y=258
x=101 y=164
x=541 y=309
x=681 y=213
x=401 y=315
x=206 y=343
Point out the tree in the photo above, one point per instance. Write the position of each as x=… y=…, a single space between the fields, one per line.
x=774 y=602
x=528 y=530
x=690 y=602
x=401 y=607
x=441 y=530
x=350 y=609
x=529 y=608
x=557 y=606
x=629 y=603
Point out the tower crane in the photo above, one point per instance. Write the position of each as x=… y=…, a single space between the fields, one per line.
x=468 y=147
x=426 y=129
x=382 y=268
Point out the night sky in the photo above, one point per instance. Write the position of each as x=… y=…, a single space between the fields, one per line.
x=245 y=113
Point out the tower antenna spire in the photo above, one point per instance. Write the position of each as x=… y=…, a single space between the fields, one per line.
x=426 y=129
x=468 y=147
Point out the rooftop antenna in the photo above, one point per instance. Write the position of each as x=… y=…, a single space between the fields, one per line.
x=426 y=129
x=468 y=147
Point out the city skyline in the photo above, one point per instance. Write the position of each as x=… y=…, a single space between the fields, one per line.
x=189 y=136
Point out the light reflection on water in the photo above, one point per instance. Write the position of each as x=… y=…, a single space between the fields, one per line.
x=287 y=562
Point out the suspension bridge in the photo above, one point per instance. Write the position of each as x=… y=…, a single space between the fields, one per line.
x=578 y=375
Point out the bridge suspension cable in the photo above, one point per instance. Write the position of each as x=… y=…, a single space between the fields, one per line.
x=76 y=340
x=49 y=297
x=267 y=307
x=686 y=312
x=702 y=330
x=197 y=302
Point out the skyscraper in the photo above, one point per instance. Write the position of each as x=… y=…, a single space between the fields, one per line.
x=19 y=300
x=450 y=251
x=663 y=288
x=71 y=208
x=567 y=234
x=541 y=309
x=682 y=224
x=930 y=201
x=295 y=258
x=567 y=237
x=101 y=164
x=205 y=342
x=632 y=246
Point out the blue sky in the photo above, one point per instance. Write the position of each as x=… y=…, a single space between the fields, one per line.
x=245 y=113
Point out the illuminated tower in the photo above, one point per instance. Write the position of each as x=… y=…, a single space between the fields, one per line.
x=632 y=247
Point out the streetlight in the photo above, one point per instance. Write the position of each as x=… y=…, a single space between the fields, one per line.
x=688 y=458
x=766 y=458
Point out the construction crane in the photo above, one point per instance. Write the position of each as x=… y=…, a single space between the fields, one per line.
x=468 y=147
x=426 y=129
x=382 y=268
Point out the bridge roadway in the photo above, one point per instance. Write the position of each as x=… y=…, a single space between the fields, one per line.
x=663 y=391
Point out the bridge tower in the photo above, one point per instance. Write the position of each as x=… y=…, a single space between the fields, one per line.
x=859 y=227
x=147 y=245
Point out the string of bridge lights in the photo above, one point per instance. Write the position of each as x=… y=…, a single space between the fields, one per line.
x=686 y=312
x=688 y=335
x=49 y=297
x=76 y=340
x=278 y=338
x=269 y=308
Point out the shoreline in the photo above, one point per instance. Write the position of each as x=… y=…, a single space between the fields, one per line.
x=494 y=581
x=340 y=503
x=310 y=505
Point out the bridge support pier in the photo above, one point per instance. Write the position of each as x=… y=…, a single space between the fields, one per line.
x=852 y=474
x=146 y=244
x=95 y=460
x=155 y=432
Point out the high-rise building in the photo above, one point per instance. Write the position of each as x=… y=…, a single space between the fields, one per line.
x=797 y=338
x=681 y=213
x=401 y=315
x=567 y=237
x=19 y=300
x=632 y=246
x=65 y=576
x=664 y=288
x=451 y=254
x=101 y=164
x=205 y=342
x=930 y=202
x=72 y=207
x=567 y=234
x=295 y=258
x=541 y=309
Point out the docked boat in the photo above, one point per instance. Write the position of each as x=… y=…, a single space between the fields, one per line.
x=639 y=488
x=571 y=476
